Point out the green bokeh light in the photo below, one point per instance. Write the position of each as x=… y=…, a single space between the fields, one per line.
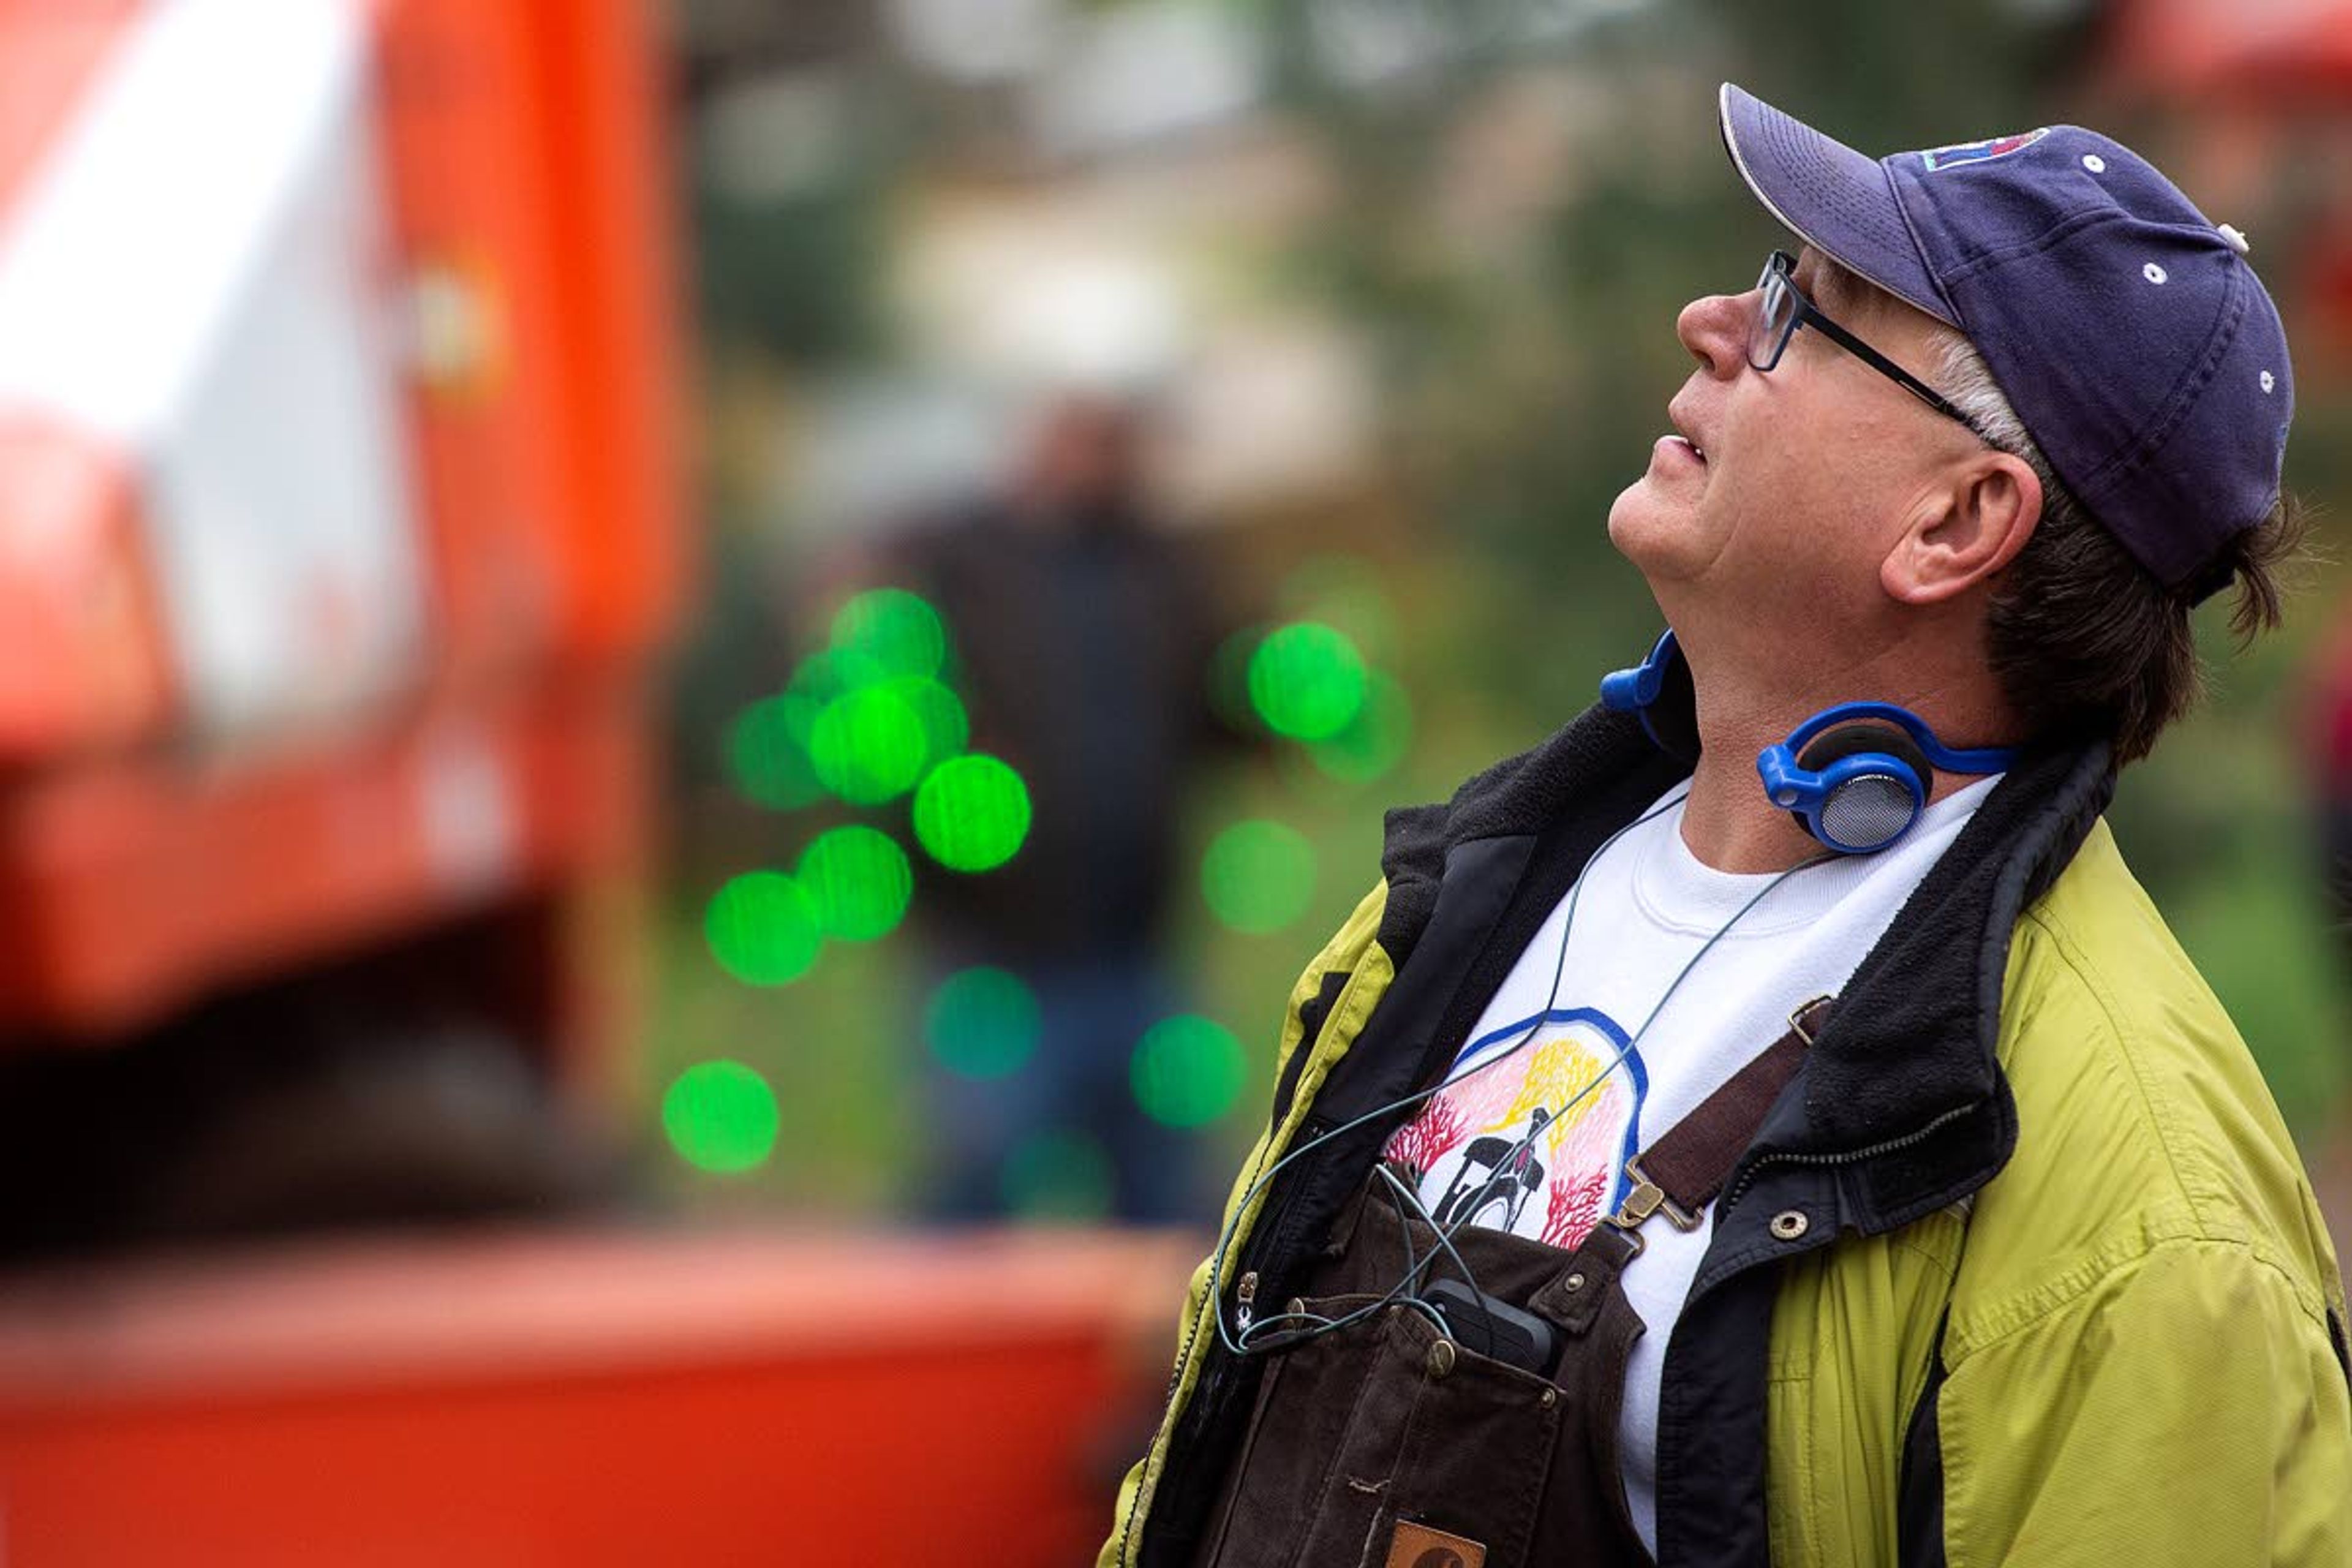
x=767 y=755
x=1060 y=1176
x=1307 y=681
x=982 y=1023
x=972 y=813
x=869 y=745
x=763 y=928
x=834 y=672
x=900 y=633
x=1258 y=876
x=860 y=879
x=1188 y=1070
x=800 y=713
x=947 y=728
x=1228 y=678
x=720 y=1116
x=1375 y=740
x=1345 y=592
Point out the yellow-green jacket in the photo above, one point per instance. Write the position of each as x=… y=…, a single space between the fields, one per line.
x=2062 y=1294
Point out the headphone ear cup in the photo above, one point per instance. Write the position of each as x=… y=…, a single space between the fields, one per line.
x=1876 y=806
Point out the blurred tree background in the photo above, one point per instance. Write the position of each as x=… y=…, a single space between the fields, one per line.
x=1489 y=213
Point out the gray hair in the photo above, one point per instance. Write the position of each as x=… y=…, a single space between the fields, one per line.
x=1967 y=383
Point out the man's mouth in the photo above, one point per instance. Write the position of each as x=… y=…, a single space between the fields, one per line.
x=1681 y=424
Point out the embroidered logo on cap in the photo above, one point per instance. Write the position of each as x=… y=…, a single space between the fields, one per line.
x=1982 y=152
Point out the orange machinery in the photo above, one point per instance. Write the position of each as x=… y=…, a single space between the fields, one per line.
x=890 y=1402
x=338 y=517
x=338 y=531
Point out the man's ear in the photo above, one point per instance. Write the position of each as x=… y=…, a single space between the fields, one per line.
x=1963 y=528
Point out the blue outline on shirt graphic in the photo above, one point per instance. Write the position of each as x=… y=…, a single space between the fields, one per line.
x=1628 y=1056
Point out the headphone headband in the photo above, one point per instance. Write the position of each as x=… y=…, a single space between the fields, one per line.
x=1948 y=759
x=1861 y=796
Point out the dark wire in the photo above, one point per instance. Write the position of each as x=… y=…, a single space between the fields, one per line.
x=1445 y=1239
x=1705 y=948
x=1445 y=1233
x=1213 y=1300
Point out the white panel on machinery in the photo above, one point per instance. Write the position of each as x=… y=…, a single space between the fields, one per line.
x=197 y=276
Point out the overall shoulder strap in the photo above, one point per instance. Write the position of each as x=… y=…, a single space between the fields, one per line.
x=1683 y=1169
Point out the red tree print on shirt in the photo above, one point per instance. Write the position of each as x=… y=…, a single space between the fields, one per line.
x=1417 y=1146
x=1573 y=1208
x=1584 y=1164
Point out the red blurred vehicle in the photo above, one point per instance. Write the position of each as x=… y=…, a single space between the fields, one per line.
x=339 y=537
x=339 y=530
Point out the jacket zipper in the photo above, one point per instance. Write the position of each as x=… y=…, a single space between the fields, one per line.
x=1244 y=1295
x=1850 y=1157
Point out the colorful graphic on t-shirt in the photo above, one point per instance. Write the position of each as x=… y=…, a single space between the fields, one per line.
x=1533 y=1141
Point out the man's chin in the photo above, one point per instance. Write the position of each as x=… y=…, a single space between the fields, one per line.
x=1642 y=527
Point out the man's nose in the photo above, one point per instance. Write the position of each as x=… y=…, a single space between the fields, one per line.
x=1714 y=329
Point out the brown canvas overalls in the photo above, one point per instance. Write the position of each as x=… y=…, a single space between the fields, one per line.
x=1394 y=1442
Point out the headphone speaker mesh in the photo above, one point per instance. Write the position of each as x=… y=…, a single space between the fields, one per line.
x=1868 y=811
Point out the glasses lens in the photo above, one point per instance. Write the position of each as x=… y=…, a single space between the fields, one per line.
x=1770 y=330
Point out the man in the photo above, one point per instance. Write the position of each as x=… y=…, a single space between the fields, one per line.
x=1082 y=632
x=2001 y=1253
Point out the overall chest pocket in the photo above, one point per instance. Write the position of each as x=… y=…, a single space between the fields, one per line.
x=1386 y=1420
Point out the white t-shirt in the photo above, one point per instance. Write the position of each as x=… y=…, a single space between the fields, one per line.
x=1647 y=907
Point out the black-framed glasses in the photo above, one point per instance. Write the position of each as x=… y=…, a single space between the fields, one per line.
x=1784 y=308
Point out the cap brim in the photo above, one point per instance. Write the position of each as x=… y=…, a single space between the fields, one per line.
x=1828 y=196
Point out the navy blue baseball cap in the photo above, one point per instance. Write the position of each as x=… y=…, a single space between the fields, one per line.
x=2126 y=329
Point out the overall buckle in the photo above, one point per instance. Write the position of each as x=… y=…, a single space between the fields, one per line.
x=1646 y=1199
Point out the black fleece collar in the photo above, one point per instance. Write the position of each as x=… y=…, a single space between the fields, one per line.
x=1912 y=1039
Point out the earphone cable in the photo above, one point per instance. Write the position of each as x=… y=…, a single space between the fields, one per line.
x=1213 y=1298
x=1444 y=1233
x=1627 y=1049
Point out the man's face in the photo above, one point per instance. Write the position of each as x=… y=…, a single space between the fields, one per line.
x=1772 y=509
x=1084 y=458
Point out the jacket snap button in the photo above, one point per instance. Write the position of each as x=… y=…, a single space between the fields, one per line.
x=1294 y=1307
x=1789 y=1223
x=1441 y=1358
x=1574 y=1282
x=1551 y=1397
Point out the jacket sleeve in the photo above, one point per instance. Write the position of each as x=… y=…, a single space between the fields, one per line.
x=2188 y=1407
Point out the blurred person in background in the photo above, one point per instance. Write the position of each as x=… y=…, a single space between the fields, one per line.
x=1982 y=1239
x=1083 y=633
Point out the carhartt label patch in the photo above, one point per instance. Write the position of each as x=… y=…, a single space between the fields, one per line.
x=1418 y=1546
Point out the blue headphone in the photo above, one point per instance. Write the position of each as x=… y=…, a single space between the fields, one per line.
x=1856 y=776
